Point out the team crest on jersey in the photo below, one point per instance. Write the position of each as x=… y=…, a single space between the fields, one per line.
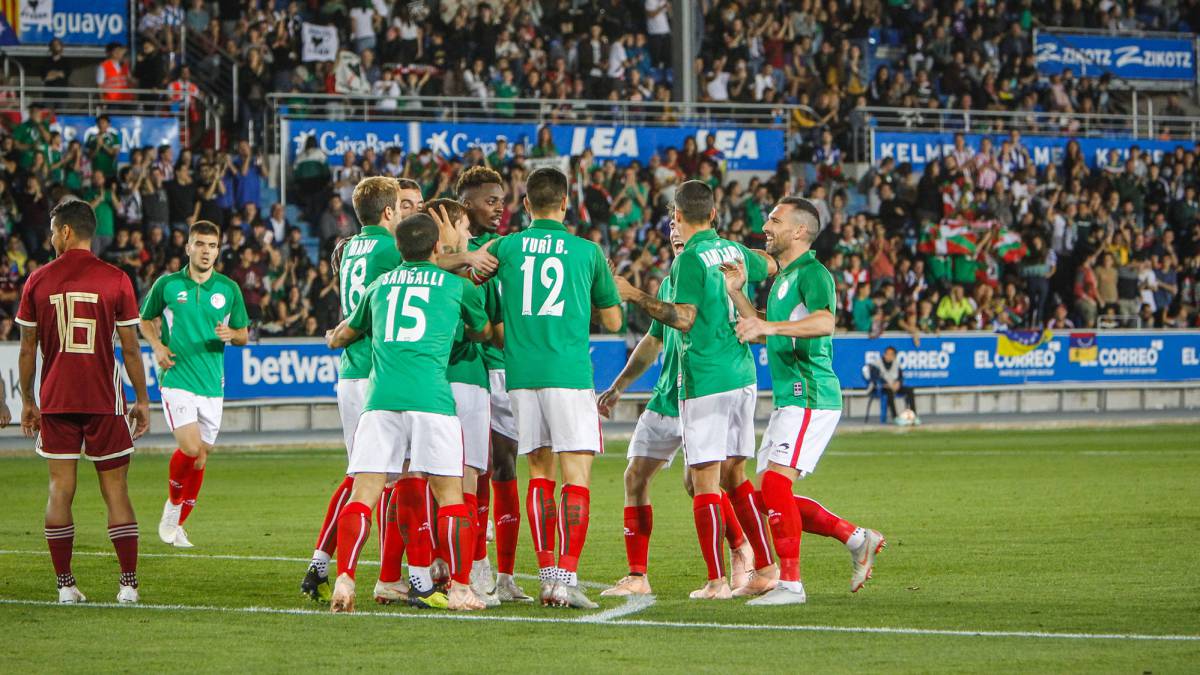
x=783 y=288
x=217 y=300
x=181 y=297
x=798 y=389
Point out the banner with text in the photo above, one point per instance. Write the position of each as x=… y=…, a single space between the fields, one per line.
x=742 y=149
x=918 y=149
x=136 y=131
x=75 y=22
x=1131 y=58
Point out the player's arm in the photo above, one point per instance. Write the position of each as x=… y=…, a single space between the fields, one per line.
x=735 y=281
x=680 y=316
x=821 y=299
x=31 y=417
x=131 y=354
x=498 y=335
x=341 y=336
x=237 y=331
x=772 y=265
x=152 y=309
x=643 y=356
x=476 y=324
x=480 y=261
x=237 y=337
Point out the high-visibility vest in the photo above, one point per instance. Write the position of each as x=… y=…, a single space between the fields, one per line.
x=116 y=79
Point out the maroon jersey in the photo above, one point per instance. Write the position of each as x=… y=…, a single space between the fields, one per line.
x=76 y=303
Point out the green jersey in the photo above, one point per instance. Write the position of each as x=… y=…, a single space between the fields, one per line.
x=664 y=399
x=411 y=315
x=712 y=360
x=467 y=364
x=554 y=279
x=368 y=254
x=190 y=313
x=802 y=368
x=493 y=356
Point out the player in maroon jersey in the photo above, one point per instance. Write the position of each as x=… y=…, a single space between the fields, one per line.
x=72 y=309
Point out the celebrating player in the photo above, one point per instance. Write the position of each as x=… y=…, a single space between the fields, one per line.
x=717 y=392
x=188 y=317
x=411 y=314
x=554 y=281
x=798 y=327
x=482 y=191
x=70 y=309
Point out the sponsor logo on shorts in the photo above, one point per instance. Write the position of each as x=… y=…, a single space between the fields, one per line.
x=217 y=300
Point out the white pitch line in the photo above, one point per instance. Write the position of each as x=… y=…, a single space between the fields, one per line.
x=636 y=623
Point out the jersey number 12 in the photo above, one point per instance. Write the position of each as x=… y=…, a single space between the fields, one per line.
x=551 y=276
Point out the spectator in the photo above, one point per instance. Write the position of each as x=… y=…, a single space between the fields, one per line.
x=112 y=75
x=336 y=222
x=103 y=146
x=891 y=377
x=955 y=310
x=181 y=197
x=104 y=202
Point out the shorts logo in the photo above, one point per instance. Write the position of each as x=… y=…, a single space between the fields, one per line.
x=217 y=300
x=783 y=288
x=181 y=297
x=797 y=389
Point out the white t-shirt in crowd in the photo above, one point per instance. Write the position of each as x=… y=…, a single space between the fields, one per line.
x=360 y=22
x=718 y=87
x=660 y=24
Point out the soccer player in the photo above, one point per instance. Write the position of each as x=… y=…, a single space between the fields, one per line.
x=553 y=283
x=412 y=315
x=656 y=439
x=188 y=317
x=798 y=326
x=717 y=385
x=482 y=191
x=71 y=309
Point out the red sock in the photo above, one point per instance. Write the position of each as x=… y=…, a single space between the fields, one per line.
x=734 y=535
x=391 y=544
x=710 y=529
x=573 y=520
x=410 y=516
x=818 y=520
x=472 y=503
x=507 y=518
x=327 y=537
x=354 y=526
x=543 y=519
x=747 y=504
x=124 y=538
x=431 y=519
x=191 y=490
x=455 y=530
x=60 y=539
x=483 y=499
x=177 y=474
x=785 y=522
x=639 y=522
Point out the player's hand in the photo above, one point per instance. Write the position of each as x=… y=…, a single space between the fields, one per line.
x=139 y=415
x=608 y=400
x=31 y=420
x=735 y=276
x=5 y=415
x=224 y=332
x=482 y=261
x=750 y=329
x=164 y=357
x=625 y=290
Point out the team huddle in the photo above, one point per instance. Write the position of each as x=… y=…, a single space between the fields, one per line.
x=463 y=349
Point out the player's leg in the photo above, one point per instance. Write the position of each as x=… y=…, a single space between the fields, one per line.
x=741 y=497
x=533 y=441
x=472 y=404
x=706 y=422
x=437 y=451
x=786 y=530
x=182 y=412
x=122 y=524
x=60 y=525
x=506 y=511
x=351 y=395
x=390 y=586
x=208 y=419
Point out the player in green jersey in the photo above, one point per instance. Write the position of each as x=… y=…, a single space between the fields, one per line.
x=482 y=191
x=411 y=315
x=188 y=317
x=798 y=327
x=553 y=282
x=717 y=387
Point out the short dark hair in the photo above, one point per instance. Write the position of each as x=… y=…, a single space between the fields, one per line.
x=204 y=227
x=476 y=176
x=76 y=214
x=416 y=236
x=809 y=209
x=694 y=199
x=408 y=184
x=454 y=208
x=545 y=189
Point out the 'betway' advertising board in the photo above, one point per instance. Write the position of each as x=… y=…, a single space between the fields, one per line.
x=918 y=149
x=743 y=149
x=1131 y=58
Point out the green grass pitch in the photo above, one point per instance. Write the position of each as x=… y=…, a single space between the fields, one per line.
x=1001 y=544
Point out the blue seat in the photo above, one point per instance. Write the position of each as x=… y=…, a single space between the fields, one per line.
x=876 y=391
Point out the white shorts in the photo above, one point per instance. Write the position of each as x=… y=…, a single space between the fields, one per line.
x=718 y=426
x=565 y=420
x=471 y=402
x=503 y=421
x=656 y=436
x=182 y=408
x=797 y=437
x=351 y=398
x=386 y=439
